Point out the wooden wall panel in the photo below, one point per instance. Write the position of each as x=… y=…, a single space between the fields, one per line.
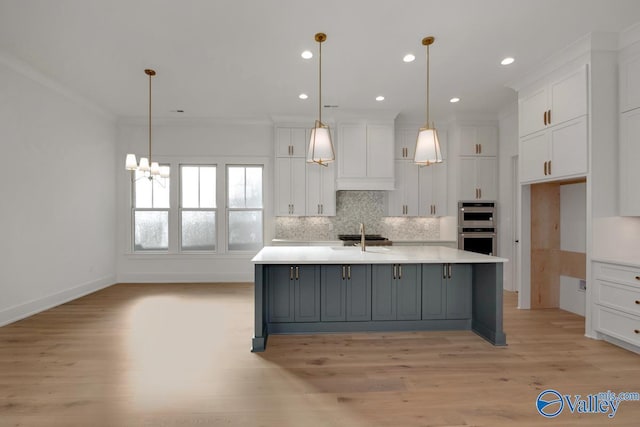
x=573 y=264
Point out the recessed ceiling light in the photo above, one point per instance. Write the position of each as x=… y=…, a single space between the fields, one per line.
x=454 y=100
x=409 y=57
x=379 y=98
x=307 y=54
x=508 y=60
x=303 y=96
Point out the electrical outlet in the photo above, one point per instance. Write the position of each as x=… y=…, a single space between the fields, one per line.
x=582 y=286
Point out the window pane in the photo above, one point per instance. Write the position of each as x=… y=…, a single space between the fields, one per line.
x=236 y=186
x=142 y=191
x=151 y=231
x=254 y=187
x=160 y=192
x=208 y=187
x=245 y=230
x=189 y=180
x=198 y=231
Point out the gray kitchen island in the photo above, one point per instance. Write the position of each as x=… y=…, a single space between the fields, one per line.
x=320 y=289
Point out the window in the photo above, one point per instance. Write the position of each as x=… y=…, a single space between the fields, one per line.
x=150 y=213
x=244 y=208
x=198 y=208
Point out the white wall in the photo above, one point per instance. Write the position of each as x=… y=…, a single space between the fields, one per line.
x=190 y=141
x=507 y=149
x=573 y=237
x=57 y=220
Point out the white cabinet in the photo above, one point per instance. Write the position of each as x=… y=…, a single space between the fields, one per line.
x=478 y=141
x=629 y=161
x=321 y=190
x=405 y=144
x=291 y=142
x=478 y=178
x=554 y=102
x=365 y=156
x=630 y=83
x=617 y=302
x=554 y=153
x=433 y=190
x=403 y=201
x=290 y=186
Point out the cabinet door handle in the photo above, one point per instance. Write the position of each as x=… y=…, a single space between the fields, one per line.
x=544 y=118
x=549 y=167
x=637 y=277
x=291 y=273
x=395 y=271
x=435 y=209
x=549 y=117
x=449 y=270
x=637 y=331
x=479 y=148
x=349 y=272
x=399 y=271
x=480 y=191
x=444 y=271
x=297 y=273
x=343 y=272
x=545 y=168
x=637 y=301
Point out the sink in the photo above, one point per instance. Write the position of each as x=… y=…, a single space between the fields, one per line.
x=378 y=249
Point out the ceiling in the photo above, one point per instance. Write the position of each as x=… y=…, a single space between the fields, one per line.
x=241 y=58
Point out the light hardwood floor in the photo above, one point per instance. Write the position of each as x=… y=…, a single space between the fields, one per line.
x=178 y=354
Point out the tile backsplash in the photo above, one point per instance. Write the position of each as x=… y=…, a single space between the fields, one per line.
x=353 y=208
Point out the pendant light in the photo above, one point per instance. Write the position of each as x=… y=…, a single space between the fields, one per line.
x=427 y=144
x=150 y=168
x=320 y=145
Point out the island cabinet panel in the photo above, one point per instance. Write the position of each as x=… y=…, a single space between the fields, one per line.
x=434 y=296
x=459 y=291
x=345 y=293
x=396 y=292
x=293 y=294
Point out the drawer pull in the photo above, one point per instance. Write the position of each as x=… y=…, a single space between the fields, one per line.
x=637 y=277
x=637 y=331
x=638 y=302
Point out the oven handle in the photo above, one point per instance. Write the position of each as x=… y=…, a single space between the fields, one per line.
x=478 y=234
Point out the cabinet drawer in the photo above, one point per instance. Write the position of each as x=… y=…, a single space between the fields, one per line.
x=618 y=325
x=620 y=297
x=618 y=273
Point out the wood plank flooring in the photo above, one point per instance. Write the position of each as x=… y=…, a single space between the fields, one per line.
x=178 y=355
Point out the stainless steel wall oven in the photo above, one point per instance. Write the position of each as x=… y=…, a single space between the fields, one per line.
x=477 y=227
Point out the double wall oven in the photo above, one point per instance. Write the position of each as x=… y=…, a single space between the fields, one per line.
x=477 y=227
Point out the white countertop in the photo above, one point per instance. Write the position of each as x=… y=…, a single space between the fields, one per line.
x=373 y=255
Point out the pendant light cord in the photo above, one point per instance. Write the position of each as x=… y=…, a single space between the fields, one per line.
x=320 y=83
x=149 y=118
x=427 y=86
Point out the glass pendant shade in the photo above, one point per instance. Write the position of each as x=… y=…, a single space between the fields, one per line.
x=144 y=164
x=155 y=168
x=320 y=146
x=427 y=147
x=131 y=163
x=164 y=171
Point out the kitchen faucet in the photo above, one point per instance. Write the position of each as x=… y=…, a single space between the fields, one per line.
x=362 y=243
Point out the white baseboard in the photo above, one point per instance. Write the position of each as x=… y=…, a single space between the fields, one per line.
x=185 y=277
x=29 y=308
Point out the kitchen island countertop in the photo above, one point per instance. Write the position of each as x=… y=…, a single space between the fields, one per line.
x=372 y=255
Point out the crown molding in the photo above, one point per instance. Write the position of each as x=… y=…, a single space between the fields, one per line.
x=28 y=71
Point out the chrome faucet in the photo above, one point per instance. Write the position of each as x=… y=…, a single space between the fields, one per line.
x=362 y=240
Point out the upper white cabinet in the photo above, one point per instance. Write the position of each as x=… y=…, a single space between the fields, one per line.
x=478 y=141
x=553 y=129
x=365 y=156
x=629 y=161
x=321 y=190
x=560 y=152
x=478 y=178
x=433 y=190
x=553 y=102
x=403 y=201
x=290 y=186
x=630 y=83
x=291 y=142
x=405 y=146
